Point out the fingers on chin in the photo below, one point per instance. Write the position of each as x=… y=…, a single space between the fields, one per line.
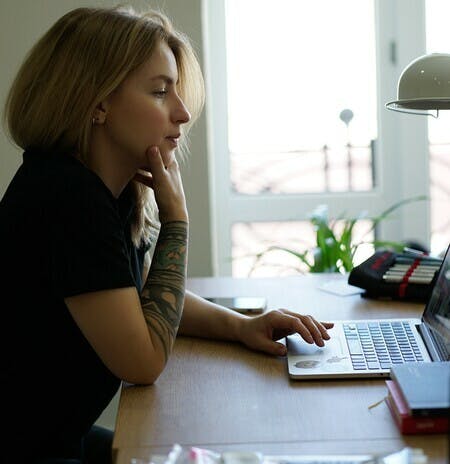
x=147 y=180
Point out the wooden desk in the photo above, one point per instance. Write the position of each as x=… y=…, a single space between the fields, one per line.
x=222 y=396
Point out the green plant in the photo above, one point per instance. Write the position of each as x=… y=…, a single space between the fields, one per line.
x=335 y=248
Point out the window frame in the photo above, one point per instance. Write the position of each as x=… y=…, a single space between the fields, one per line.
x=400 y=37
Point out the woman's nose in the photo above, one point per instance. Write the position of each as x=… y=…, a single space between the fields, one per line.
x=181 y=114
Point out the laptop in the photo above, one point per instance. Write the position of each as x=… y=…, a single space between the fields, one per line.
x=368 y=348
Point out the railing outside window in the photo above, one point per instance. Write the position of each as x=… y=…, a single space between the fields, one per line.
x=318 y=171
x=324 y=169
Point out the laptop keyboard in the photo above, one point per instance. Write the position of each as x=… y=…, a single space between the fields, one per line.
x=379 y=345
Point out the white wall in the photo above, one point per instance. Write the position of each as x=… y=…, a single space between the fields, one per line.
x=22 y=22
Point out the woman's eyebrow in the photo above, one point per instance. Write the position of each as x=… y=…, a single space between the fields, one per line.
x=163 y=77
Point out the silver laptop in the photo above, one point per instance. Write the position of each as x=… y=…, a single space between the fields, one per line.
x=368 y=348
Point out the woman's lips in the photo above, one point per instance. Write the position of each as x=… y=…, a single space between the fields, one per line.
x=173 y=139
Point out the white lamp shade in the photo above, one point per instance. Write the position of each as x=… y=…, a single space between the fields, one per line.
x=424 y=85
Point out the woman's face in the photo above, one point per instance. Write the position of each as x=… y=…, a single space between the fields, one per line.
x=146 y=110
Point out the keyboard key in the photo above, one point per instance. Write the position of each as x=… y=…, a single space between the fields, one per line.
x=354 y=346
x=373 y=365
x=381 y=344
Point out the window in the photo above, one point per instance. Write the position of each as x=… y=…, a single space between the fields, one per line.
x=298 y=119
x=302 y=119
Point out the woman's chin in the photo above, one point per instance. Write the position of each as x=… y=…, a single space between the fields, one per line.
x=168 y=157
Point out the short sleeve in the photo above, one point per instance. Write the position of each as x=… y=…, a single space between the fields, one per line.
x=89 y=251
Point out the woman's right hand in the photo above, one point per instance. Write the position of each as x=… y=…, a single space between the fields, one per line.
x=166 y=184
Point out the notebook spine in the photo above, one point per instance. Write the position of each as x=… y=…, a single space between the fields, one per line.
x=408 y=424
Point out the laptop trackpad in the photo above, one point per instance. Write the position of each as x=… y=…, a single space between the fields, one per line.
x=304 y=358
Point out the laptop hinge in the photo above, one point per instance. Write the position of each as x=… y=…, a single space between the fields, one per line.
x=436 y=346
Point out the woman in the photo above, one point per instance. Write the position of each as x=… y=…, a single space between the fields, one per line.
x=100 y=106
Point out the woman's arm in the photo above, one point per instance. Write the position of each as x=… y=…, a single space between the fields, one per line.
x=134 y=335
x=134 y=338
x=163 y=294
x=202 y=318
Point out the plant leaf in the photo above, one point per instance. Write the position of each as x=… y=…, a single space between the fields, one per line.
x=299 y=255
x=334 y=253
x=388 y=211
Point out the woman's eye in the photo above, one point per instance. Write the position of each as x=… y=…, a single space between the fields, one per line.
x=160 y=93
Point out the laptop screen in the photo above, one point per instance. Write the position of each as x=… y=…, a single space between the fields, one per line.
x=437 y=311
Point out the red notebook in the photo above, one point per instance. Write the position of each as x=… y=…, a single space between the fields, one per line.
x=407 y=423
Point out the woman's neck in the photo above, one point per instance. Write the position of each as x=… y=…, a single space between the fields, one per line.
x=109 y=165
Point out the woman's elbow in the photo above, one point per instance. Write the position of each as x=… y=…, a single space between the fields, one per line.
x=146 y=375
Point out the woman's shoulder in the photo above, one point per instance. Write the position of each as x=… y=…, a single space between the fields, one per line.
x=63 y=177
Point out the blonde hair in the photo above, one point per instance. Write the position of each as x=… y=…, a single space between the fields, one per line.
x=82 y=58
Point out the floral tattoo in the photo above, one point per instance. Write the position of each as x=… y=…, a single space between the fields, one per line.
x=162 y=297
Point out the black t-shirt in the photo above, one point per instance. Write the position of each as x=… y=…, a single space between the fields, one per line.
x=62 y=233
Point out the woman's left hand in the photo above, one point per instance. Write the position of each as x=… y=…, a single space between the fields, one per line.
x=262 y=332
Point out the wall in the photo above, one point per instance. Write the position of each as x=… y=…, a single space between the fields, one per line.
x=23 y=22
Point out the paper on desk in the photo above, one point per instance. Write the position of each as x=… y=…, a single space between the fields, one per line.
x=340 y=287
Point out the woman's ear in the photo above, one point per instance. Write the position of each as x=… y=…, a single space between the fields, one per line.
x=99 y=116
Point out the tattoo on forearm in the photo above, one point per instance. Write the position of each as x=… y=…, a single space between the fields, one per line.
x=162 y=297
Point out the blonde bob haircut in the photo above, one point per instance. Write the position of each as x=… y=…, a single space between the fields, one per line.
x=81 y=60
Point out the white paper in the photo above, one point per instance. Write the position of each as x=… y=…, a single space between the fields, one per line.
x=340 y=287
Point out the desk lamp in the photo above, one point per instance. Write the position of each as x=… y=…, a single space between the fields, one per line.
x=424 y=86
